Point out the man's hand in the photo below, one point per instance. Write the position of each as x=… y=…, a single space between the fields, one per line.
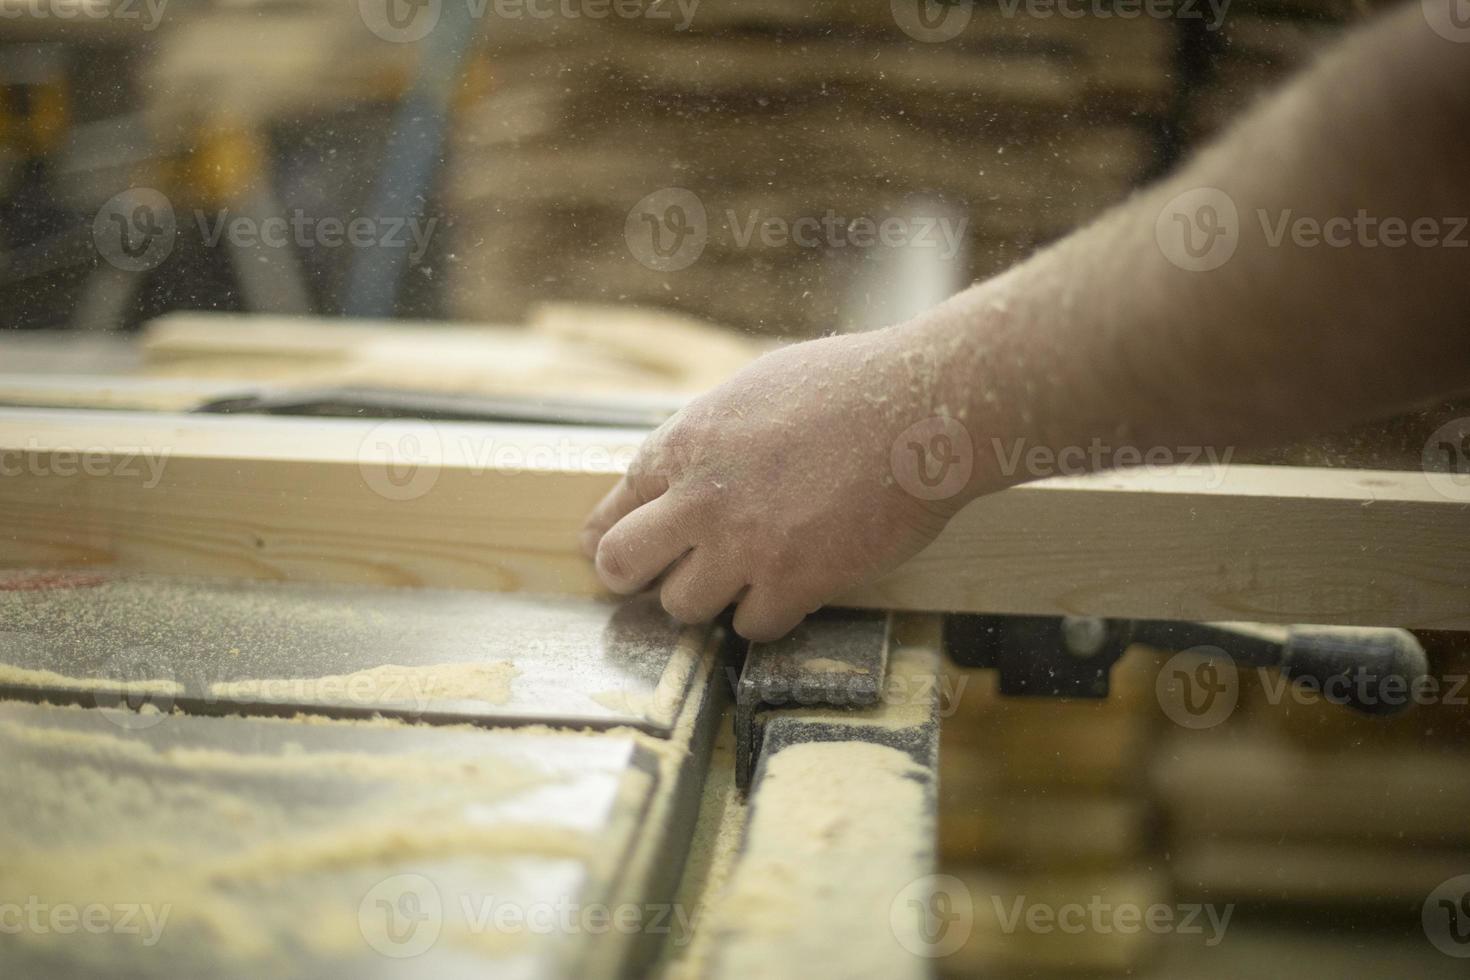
x=783 y=487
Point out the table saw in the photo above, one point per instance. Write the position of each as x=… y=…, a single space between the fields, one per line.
x=308 y=780
x=311 y=697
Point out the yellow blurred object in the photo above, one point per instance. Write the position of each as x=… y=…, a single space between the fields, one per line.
x=33 y=124
x=224 y=163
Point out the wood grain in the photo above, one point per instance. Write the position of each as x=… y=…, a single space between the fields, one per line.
x=499 y=507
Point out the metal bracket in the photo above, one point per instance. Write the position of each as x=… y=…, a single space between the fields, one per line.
x=835 y=658
x=368 y=402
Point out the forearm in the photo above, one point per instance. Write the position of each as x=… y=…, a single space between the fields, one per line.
x=1105 y=336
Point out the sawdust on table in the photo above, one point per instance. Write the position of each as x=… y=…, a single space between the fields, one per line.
x=623 y=702
x=777 y=905
x=407 y=767
x=117 y=835
x=389 y=684
x=713 y=850
x=827 y=665
x=177 y=847
x=820 y=805
x=28 y=677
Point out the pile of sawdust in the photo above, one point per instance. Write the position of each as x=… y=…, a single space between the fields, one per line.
x=824 y=805
x=230 y=866
x=50 y=680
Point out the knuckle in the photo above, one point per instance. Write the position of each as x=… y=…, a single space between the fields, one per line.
x=672 y=440
x=679 y=441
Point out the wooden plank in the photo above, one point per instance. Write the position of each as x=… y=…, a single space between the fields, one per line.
x=305 y=500
x=499 y=507
x=1257 y=543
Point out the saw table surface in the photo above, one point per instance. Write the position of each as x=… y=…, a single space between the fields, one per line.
x=241 y=847
x=217 y=646
x=244 y=779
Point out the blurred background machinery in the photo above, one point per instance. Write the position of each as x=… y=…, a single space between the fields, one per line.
x=532 y=140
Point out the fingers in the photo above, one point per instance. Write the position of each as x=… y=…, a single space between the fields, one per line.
x=700 y=586
x=631 y=492
x=766 y=614
x=638 y=548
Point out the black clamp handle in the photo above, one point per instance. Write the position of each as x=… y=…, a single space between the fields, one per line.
x=1372 y=670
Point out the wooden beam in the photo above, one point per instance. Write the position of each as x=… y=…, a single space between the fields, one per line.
x=1271 y=544
x=498 y=507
